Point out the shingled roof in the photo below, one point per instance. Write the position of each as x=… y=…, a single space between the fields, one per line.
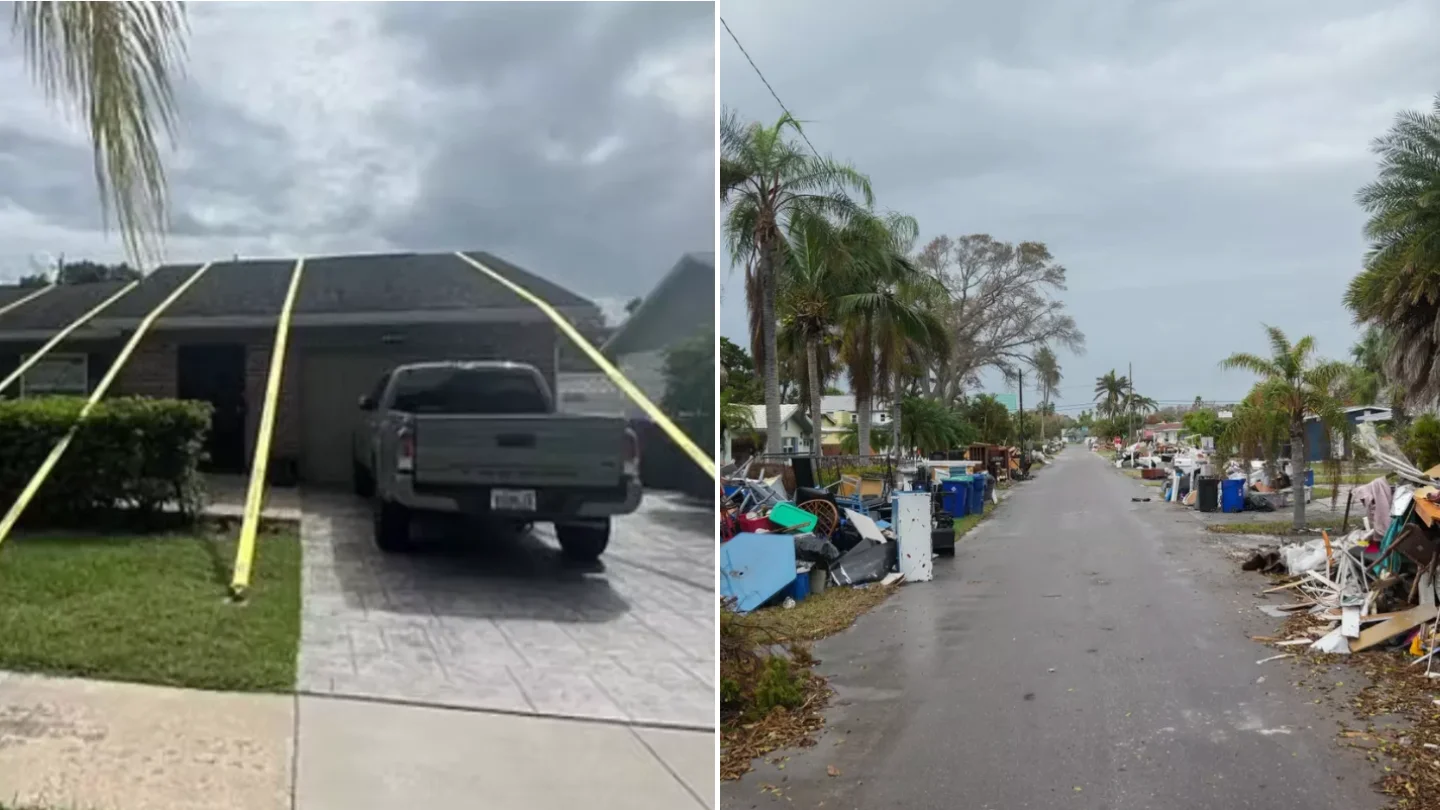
x=379 y=283
x=680 y=305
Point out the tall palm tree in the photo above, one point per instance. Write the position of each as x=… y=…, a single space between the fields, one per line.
x=818 y=275
x=1295 y=383
x=110 y=64
x=889 y=315
x=1399 y=289
x=1047 y=379
x=765 y=180
x=1110 y=392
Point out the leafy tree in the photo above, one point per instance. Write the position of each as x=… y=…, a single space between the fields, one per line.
x=766 y=179
x=737 y=373
x=111 y=64
x=1202 y=422
x=88 y=272
x=34 y=280
x=1399 y=288
x=1294 y=383
x=990 y=419
x=850 y=440
x=1423 y=444
x=932 y=425
x=690 y=386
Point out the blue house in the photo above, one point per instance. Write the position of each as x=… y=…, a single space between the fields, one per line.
x=1317 y=443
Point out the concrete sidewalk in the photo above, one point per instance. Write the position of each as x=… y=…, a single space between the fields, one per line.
x=71 y=743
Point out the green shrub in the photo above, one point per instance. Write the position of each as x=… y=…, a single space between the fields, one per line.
x=131 y=453
x=779 y=686
x=1423 y=443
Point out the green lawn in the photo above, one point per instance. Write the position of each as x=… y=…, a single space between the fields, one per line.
x=965 y=524
x=1327 y=522
x=152 y=609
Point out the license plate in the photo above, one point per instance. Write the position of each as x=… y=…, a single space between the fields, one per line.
x=512 y=500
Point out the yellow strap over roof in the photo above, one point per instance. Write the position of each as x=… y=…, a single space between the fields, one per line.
x=676 y=434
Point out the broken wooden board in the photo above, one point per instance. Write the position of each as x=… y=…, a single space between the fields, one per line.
x=1390 y=628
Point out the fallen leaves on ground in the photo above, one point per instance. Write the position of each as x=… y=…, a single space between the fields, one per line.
x=822 y=614
x=781 y=728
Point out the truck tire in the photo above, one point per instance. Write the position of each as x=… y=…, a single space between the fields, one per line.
x=364 y=484
x=584 y=542
x=392 y=527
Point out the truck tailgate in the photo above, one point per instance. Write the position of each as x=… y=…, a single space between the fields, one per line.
x=535 y=451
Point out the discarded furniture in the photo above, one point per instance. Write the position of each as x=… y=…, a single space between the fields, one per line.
x=755 y=567
x=912 y=533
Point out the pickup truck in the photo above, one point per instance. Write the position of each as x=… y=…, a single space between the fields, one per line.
x=483 y=440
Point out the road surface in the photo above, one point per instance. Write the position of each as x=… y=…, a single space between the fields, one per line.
x=1080 y=651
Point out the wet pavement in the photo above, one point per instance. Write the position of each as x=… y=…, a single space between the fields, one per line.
x=1081 y=651
x=478 y=620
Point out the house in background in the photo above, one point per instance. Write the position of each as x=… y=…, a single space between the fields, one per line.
x=794 y=432
x=680 y=308
x=355 y=318
x=838 y=413
x=1318 y=444
x=1166 y=432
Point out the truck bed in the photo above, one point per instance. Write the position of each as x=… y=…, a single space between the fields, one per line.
x=552 y=450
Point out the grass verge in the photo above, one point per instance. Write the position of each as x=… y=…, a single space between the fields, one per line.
x=1278 y=527
x=150 y=609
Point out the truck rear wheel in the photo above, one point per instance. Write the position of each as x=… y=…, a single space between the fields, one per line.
x=392 y=527
x=583 y=541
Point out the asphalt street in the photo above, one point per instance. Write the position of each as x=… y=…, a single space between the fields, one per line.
x=1081 y=651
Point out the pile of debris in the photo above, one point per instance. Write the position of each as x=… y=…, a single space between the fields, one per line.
x=1375 y=586
x=783 y=541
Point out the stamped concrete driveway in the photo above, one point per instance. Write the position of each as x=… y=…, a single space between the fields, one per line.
x=505 y=624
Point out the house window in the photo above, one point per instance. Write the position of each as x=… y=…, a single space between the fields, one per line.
x=56 y=374
x=787 y=443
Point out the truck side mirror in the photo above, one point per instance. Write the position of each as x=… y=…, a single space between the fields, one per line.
x=367 y=403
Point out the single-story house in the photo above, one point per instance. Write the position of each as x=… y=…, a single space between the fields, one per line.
x=1166 y=432
x=680 y=308
x=1317 y=443
x=794 y=430
x=355 y=318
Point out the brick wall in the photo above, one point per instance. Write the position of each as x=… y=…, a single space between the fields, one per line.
x=150 y=371
x=285 y=442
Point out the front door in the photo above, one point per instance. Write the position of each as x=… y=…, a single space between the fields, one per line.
x=215 y=373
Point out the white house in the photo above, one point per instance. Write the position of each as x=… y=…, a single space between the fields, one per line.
x=794 y=430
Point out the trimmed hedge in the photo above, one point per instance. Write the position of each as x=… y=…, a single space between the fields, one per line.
x=132 y=454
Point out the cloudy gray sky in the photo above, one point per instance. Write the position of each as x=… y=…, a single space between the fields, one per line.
x=574 y=139
x=1192 y=163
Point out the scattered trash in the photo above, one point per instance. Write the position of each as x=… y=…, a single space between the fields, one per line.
x=1276 y=657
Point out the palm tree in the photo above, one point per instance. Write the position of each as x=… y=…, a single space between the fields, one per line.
x=1047 y=379
x=890 y=316
x=1110 y=392
x=111 y=64
x=818 y=274
x=1294 y=383
x=766 y=179
x=1399 y=289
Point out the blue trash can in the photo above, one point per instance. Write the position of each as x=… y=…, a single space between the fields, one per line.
x=955 y=497
x=1232 y=495
x=1309 y=478
x=981 y=484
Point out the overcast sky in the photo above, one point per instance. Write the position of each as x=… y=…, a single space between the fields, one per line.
x=1193 y=164
x=576 y=140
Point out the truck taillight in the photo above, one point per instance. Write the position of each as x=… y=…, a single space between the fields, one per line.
x=405 y=451
x=632 y=453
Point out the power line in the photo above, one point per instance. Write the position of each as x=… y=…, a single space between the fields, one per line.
x=766 y=82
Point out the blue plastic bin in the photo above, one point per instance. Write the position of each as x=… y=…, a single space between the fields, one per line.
x=980 y=485
x=1232 y=495
x=955 y=497
x=1309 y=478
x=800 y=588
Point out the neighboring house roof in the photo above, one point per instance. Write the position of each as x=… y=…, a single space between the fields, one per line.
x=58 y=308
x=1166 y=426
x=788 y=413
x=359 y=285
x=1366 y=413
x=680 y=306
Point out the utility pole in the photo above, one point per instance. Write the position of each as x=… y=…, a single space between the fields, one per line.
x=1130 y=417
x=1020 y=386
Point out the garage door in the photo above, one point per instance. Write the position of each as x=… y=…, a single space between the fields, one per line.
x=330 y=387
